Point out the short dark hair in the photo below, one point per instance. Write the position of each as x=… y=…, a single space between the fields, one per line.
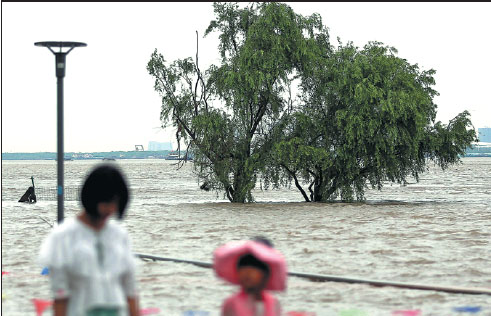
x=249 y=260
x=104 y=183
x=263 y=240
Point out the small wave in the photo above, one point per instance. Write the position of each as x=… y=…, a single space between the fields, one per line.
x=420 y=261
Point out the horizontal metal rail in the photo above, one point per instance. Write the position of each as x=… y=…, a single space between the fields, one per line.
x=333 y=278
x=155 y=258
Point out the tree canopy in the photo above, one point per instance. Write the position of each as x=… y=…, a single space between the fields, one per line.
x=285 y=105
x=367 y=117
x=229 y=114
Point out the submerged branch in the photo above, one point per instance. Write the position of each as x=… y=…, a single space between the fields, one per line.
x=297 y=183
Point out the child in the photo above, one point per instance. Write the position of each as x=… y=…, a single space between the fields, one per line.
x=256 y=266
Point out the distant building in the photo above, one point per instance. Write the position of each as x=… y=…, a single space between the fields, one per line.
x=156 y=146
x=484 y=134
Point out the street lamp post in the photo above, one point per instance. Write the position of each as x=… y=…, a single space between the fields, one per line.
x=60 y=65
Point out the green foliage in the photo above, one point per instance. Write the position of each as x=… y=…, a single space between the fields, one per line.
x=445 y=144
x=368 y=119
x=361 y=116
x=231 y=115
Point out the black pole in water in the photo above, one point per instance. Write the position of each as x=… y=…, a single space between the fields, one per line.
x=60 y=65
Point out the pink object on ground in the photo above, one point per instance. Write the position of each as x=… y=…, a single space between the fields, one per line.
x=415 y=312
x=239 y=305
x=225 y=260
x=41 y=305
x=149 y=311
x=5 y=273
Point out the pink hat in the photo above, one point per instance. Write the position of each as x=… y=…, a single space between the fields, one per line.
x=225 y=260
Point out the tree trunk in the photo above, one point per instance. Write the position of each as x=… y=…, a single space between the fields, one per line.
x=241 y=192
x=318 y=186
x=242 y=182
x=297 y=183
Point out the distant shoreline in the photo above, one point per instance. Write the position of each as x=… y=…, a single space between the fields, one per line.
x=163 y=154
x=113 y=155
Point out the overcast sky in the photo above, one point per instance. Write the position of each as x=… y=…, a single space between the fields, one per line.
x=110 y=103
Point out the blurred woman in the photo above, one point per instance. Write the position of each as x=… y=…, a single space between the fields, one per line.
x=89 y=257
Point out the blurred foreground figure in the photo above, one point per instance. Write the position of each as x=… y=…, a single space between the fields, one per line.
x=257 y=267
x=89 y=257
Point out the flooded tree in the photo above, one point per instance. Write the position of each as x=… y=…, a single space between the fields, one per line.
x=367 y=117
x=230 y=115
x=287 y=106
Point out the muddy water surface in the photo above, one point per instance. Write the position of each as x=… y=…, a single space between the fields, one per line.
x=436 y=231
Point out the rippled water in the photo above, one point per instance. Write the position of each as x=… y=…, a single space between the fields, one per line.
x=437 y=231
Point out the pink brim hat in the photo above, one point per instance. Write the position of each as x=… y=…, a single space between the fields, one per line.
x=225 y=260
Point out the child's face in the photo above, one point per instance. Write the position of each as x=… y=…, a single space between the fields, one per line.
x=251 y=279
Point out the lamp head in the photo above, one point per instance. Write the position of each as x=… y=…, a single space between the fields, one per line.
x=61 y=55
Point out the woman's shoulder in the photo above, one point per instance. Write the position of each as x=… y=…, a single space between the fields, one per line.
x=116 y=230
x=116 y=226
x=67 y=226
x=55 y=249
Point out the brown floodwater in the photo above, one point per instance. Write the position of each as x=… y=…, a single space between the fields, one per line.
x=435 y=231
